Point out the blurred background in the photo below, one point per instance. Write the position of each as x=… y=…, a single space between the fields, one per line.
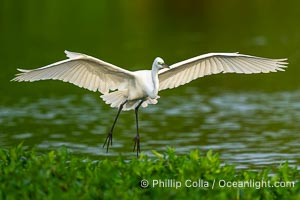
x=251 y=120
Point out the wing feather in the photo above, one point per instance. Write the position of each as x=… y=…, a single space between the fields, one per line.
x=236 y=67
x=207 y=69
x=212 y=63
x=226 y=66
x=202 y=69
x=81 y=70
x=92 y=85
x=251 y=66
x=214 y=68
x=258 y=67
x=190 y=73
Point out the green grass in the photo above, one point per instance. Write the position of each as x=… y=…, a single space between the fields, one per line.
x=27 y=174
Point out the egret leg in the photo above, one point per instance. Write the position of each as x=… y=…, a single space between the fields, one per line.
x=108 y=140
x=137 y=137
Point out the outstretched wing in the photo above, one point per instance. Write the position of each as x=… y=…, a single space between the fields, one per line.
x=81 y=70
x=213 y=63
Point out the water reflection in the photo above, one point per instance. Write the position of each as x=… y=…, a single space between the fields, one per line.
x=250 y=129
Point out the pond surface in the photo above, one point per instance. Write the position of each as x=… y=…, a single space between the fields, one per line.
x=250 y=129
x=252 y=121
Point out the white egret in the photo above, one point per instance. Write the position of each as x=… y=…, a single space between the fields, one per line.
x=128 y=90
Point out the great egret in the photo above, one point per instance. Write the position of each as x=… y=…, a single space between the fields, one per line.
x=128 y=90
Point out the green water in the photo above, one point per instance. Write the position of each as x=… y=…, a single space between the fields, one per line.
x=251 y=120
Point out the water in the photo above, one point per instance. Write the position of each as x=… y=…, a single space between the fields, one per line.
x=250 y=120
x=249 y=129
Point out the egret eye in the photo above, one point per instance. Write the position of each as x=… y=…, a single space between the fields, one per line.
x=160 y=63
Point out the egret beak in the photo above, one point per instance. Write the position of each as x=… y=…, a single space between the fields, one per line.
x=166 y=66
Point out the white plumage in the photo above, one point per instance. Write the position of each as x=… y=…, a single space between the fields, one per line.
x=213 y=63
x=131 y=89
x=96 y=75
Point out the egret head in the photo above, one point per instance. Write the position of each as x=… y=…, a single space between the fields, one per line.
x=159 y=63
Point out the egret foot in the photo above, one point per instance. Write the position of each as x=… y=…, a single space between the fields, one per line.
x=108 y=141
x=137 y=145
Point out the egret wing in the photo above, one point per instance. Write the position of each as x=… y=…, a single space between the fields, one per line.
x=81 y=70
x=213 y=63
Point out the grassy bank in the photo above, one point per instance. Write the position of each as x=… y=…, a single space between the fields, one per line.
x=26 y=174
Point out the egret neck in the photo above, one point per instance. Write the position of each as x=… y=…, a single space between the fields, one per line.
x=155 y=81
